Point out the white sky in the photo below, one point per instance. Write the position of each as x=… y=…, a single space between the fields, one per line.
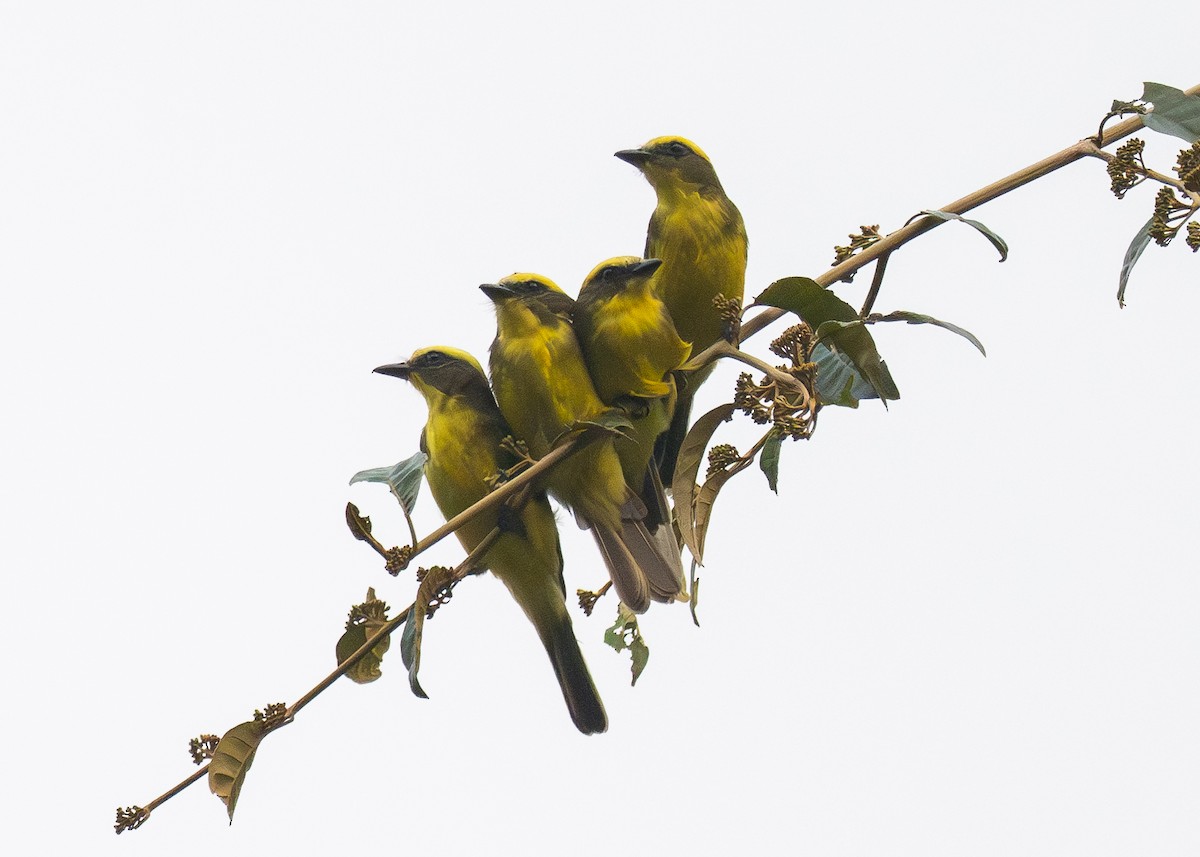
x=967 y=625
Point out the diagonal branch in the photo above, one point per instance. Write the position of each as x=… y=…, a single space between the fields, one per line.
x=1084 y=148
x=391 y=626
x=501 y=494
x=1096 y=152
x=524 y=481
x=721 y=348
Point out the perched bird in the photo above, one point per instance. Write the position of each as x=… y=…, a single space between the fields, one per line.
x=631 y=348
x=698 y=234
x=462 y=439
x=630 y=343
x=543 y=390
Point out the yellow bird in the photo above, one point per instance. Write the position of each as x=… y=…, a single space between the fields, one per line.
x=631 y=348
x=543 y=390
x=698 y=234
x=462 y=439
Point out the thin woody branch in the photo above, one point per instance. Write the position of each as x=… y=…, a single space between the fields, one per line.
x=501 y=494
x=721 y=348
x=390 y=627
x=1177 y=185
x=902 y=236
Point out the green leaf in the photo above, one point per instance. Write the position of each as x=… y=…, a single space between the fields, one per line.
x=808 y=299
x=231 y=761
x=768 y=460
x=687 y=470
x=403 y=478
x=1140 y=240
x=917 y=318
x=818 y=305
x=829 y=329
x=410 y=648
x=1175 y=112
x=625 y=634
x=999 y=243
x=838 y=383
x=639 y=653
x=694 y=589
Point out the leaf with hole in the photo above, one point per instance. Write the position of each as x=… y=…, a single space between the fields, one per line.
x=367 y=668
x=359 y=524
x=1175 y=112
x=625 y=634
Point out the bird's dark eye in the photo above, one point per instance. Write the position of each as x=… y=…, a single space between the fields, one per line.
x=678 y=149
x=432 y=358
x=608 y=273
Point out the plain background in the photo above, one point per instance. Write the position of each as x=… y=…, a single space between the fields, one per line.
x=966 y=625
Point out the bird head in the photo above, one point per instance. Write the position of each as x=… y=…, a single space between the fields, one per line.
x=616 y=275
x=669 y=162
x=439 y=371
x=532 y=292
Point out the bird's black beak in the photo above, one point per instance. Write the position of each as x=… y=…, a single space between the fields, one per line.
x=396 y=370
x=496 y=292
x=646 y=267
x=637 y=157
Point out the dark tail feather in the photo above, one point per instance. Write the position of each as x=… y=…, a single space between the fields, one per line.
x=658 y=510
x=666 y=448
x=657 y=555
x=664 y=532
x=650 y=538
x=627 y=576
x=578 y=690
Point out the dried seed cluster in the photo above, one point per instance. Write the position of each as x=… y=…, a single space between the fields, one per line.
x=271 y=715
x=1187 y=166
x=730 y=310
x=1127 y=169
x=720 y=457
x=397 y=559
x=868 y=236
x=790 y=411
x=202 y=748
x=1167 y=220
x=130 y=818
x=587 y=600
